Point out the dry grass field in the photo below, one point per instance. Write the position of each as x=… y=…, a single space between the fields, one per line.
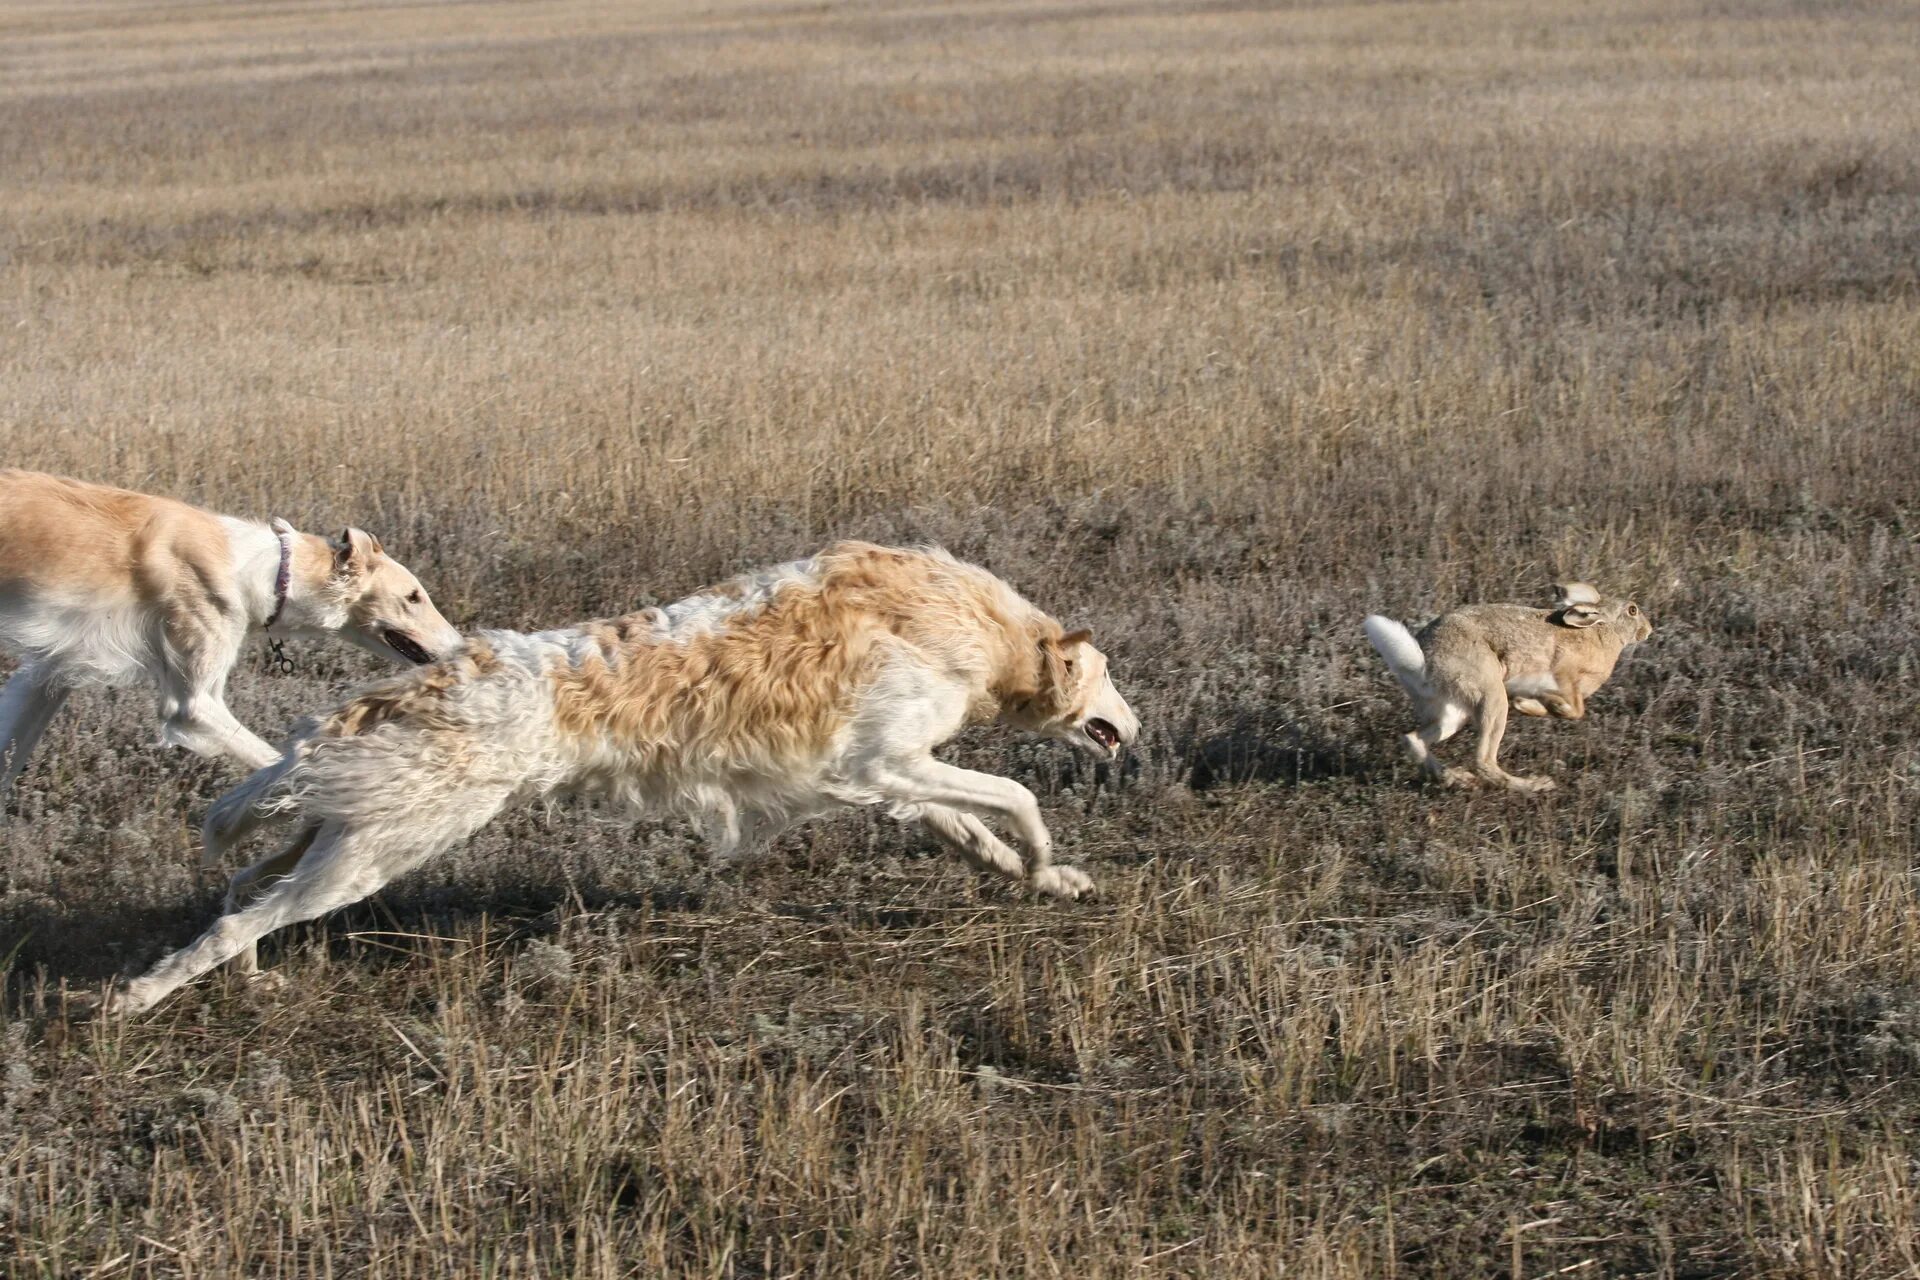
x=1212 y=326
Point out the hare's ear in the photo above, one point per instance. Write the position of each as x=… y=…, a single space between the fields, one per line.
x=1566 y=593
x=1580 y=615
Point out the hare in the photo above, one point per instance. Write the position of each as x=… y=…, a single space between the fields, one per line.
x=1481 y=659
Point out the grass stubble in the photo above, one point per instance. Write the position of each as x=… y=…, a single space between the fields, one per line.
x=1213 y=328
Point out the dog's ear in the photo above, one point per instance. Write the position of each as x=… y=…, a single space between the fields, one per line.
x=1580 y=615
x=1059 y=675
x=355 y=552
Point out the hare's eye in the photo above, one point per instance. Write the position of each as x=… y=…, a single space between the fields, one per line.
x=1633 y=611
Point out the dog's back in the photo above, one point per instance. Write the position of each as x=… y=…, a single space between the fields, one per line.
x=748 y=684
x=82 y=567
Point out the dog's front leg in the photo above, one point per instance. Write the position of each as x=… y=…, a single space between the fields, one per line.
x=967 y=836
x=201 y=723
x=916 y=783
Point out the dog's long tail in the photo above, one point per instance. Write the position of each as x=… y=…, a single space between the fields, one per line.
x=1401 y=652
x=256 y=802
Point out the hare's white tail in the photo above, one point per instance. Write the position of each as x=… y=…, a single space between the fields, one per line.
x=260 y=799
x=1401 y=653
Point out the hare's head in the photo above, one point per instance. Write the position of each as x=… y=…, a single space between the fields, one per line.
x=1580 y=605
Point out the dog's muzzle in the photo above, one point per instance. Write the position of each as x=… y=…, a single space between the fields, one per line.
x=406 y=646
x=1102 y=734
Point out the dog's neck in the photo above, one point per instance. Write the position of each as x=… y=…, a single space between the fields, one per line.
x=275 y=573
x=283 y=575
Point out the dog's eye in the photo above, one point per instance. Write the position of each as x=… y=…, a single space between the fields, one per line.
x=415 y=597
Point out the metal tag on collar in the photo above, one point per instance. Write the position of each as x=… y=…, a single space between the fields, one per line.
x=277 y=660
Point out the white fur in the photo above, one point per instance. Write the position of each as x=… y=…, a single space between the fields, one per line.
x=375 y=803
x=1540 y=684
x=1400 y=651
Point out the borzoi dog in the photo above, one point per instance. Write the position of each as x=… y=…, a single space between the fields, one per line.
x=102 y=585
x=777 y=697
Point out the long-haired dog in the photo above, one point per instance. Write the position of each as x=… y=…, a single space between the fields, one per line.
x=101 y=585
x=777 y=697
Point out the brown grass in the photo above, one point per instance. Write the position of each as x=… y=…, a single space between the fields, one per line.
x=1212 y=328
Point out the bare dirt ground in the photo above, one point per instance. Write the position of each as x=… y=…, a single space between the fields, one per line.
x=1213 y=328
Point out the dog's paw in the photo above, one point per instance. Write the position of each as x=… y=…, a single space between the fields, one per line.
x=123 y=999
x=1063 y=882
x=1531 y=786
x=1462 y=779
x=83 y=1006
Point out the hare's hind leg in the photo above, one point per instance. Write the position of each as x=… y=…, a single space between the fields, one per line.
x=1444 y=719
x=1491 y=726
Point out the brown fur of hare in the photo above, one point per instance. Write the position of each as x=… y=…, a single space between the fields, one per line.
x=1480 y=660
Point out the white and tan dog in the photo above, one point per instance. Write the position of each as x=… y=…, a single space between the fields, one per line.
x=777 y=697
x=107 y=586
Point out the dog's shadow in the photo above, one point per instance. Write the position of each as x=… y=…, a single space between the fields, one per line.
x=91 y=943
x=86 y=945
x=1269 y=749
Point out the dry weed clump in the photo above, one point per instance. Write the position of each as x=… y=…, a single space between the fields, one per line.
x=1213 y=328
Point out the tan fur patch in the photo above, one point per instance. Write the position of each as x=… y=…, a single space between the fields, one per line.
x=779 y=681
x=415 y=696
x=67 y=535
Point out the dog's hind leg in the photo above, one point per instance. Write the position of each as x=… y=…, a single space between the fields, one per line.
x=254 y=803
x=339 y=867
x=739 y=840
x=255 y=880
x=331 y=864
x=28 y=704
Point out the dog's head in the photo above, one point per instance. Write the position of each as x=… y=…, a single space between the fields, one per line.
x=1580 y=605
x=383 y=608
x=1074 y=699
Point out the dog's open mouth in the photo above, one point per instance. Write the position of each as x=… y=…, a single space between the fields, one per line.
x=1104 y=735
x=406 y=646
